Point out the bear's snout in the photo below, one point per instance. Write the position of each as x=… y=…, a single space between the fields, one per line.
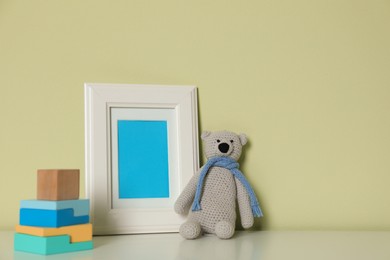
x=223 y=147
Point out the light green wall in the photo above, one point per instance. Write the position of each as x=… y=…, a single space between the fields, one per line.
x=307 y=81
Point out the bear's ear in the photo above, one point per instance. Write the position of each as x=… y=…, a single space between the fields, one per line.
x=205 y=134
x=243 y=139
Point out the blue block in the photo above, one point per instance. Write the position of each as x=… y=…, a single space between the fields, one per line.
x=80 y=207
x=48 y=245
x=50 y=218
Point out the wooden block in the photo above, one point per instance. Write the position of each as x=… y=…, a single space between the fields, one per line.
x=80 y=207
x=48 y=245
x=58 y=184
x=77 y=233
x=50 y=218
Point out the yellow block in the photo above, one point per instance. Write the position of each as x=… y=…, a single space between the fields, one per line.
x=77 y=233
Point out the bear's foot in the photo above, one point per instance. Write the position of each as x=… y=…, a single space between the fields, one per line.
x=224 y=229
x=190 y=230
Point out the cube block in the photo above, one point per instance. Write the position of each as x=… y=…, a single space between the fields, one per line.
x=80 y=207
x=50 y=218
x=58 y=184
x=77 y=233
x=48 y=245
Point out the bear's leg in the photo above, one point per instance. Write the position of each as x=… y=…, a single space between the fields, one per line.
x=224 y=229
x=190 y=230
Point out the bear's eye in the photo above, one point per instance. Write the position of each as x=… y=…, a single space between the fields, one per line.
x=218 y=141
x=231 y=141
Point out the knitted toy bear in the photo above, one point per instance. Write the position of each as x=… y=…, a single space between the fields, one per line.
x=212 y=192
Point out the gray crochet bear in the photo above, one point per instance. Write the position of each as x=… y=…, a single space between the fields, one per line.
x=213 y=190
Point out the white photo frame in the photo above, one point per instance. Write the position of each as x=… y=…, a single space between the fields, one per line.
x=130 y=192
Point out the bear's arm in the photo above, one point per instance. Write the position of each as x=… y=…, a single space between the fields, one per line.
x=244 y=205
x=184 y=201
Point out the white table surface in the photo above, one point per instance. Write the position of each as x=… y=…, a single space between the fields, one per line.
x=262 y=245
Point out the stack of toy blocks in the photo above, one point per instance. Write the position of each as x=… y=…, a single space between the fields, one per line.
x=57 y=221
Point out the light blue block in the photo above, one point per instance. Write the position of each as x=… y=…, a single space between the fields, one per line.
x=80 y=207
x=50 y=218
x=48 y=245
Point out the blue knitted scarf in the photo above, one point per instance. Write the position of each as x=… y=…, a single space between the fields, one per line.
x=232 y=165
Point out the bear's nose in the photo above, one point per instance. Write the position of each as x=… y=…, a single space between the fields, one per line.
x=224 y=147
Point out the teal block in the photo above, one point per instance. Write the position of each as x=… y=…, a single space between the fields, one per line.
x=80 y=207
x=48 y=245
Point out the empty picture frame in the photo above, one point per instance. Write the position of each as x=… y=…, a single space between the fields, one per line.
x=141 y=150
